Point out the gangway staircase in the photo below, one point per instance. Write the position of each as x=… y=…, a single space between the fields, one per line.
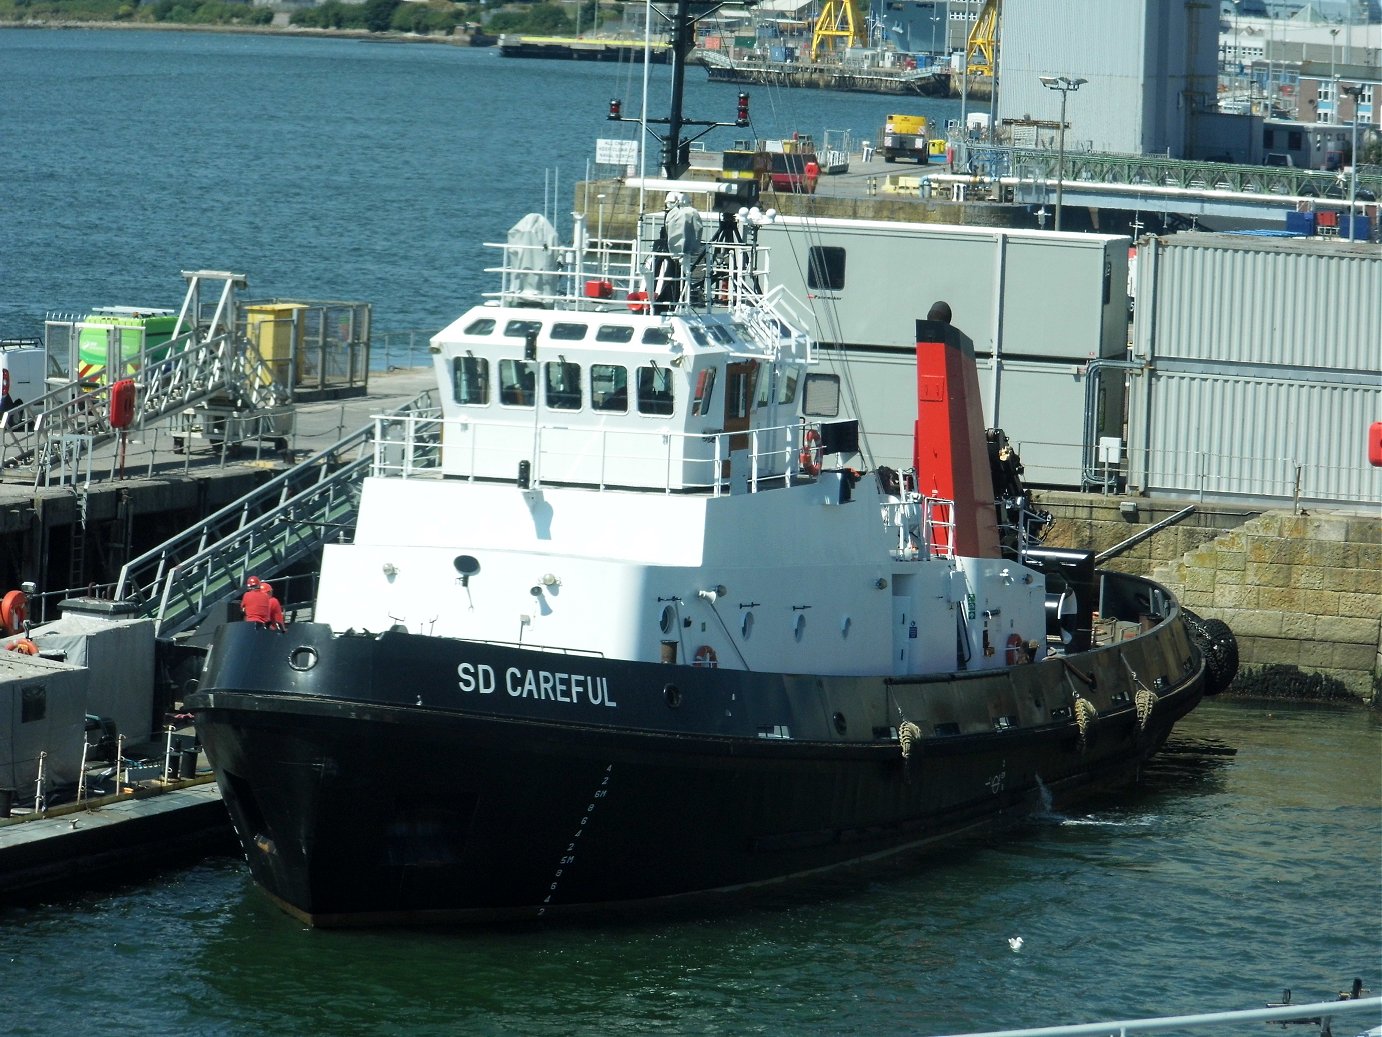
x=208 y=358
x=180 y=582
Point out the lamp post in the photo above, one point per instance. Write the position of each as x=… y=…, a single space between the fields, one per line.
x=1065 y=85
x=1353 y=91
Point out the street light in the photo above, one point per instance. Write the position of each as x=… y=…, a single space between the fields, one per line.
x=1354 y=91
x=1065 y=85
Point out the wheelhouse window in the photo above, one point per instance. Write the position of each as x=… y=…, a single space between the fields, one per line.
x=614 y=333
x=787 y=391
x=657 y=336
x=739 y=391
x=517 y=382
x=825 y=270
x=655 y=390
x=482 y=326
x=563 y=385
x=565 y=331
x=609 y=387
x=705 y=388
x=522 y=328
x=470 y=380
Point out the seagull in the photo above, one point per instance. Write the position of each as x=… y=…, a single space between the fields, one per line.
x=1015 y=942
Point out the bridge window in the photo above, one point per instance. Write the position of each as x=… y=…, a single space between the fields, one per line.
x=517 y=381
x=655 y=390
x=788 y=392
x=705 y=387
x=825 y=270
x=567 y=332
x=563 y=385
x=609 y=386
x=739 y=390
x=483 y=326
x=656 y=336
x=522 y=328
x=614 y=333
x=470 y=380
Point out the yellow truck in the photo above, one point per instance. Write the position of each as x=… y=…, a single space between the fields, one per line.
x=905 y=136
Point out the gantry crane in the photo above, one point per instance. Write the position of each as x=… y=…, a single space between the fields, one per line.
x=981 y=51
x=838 y=20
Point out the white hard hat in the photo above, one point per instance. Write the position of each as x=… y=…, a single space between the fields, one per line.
x=675 y=198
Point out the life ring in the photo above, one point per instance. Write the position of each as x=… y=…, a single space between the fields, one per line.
x=24 y=646
x=638 y=302
x=14 y=610
x=809 y=462
x=705 y=656
x=1016 y=651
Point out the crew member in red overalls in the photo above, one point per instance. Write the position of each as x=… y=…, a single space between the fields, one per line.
x=256 y=604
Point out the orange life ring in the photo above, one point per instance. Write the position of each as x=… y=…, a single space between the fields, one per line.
x=809 y=462
x=638 y=302
x=14 y=610
x=705 y=656
x=1016 y=649
x=23 y=646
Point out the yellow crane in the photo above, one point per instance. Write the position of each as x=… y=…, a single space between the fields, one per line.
x=838 y=20
x=981 y=52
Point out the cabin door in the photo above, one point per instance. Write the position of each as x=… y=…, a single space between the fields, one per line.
x=740 y=380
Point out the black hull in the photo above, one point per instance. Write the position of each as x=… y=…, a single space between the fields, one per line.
x=368 y=789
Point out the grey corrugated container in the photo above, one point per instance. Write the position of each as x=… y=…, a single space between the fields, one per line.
x=1266 y=369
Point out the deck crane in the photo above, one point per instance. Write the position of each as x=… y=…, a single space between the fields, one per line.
x=981 y=50
x=838 y=20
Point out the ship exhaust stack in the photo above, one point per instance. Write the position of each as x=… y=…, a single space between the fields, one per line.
x=949 y=450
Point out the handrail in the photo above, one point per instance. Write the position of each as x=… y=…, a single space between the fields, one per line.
x=1280 y=1013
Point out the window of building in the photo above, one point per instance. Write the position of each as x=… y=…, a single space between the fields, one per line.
x=33 y=703
x=655 y=390
x=470 y=380
x=609 y=387
x=825 y=269
x=517 y=382
x=563 y=385
x=822 y=396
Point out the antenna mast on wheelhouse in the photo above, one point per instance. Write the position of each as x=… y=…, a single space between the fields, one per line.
x=676 y=152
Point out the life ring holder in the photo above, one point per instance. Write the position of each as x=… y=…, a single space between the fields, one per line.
x=1016 y=649
x=809 y=461
x=14 y=610
x=705 y=657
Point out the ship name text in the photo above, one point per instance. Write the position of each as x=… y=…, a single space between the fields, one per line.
x=536 y=684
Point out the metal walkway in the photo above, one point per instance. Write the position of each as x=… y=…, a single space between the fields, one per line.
x=207 y=359
x=178 y=583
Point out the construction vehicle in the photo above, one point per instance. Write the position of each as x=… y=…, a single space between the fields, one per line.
x=906 y=136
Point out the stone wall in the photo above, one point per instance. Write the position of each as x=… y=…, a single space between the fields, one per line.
x=1301 y=590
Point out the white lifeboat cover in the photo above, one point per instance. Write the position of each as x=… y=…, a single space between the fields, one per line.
x=532 y=253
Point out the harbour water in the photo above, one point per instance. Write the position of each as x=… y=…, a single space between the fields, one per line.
x=1249 y=859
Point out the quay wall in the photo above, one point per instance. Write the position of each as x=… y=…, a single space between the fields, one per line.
x=1299 y=590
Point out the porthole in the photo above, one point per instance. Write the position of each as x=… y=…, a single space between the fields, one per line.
x=303 y=657
x=668 y=620
x=672 y=694
x=799 y=627
x=746 y=624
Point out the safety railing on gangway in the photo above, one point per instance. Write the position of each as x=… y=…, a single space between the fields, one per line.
x=179 y=582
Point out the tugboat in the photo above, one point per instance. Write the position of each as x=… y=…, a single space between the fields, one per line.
x=628 y=619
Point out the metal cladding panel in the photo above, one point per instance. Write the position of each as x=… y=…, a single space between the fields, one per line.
x=1254 y=437
x=1043 y=413
x=1228 y=299
x=1071 y=304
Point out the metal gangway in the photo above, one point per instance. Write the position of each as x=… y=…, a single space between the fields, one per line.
x=178 y=583
x=207 y=358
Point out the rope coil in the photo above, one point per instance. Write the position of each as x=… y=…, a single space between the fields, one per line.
x=907 y=733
